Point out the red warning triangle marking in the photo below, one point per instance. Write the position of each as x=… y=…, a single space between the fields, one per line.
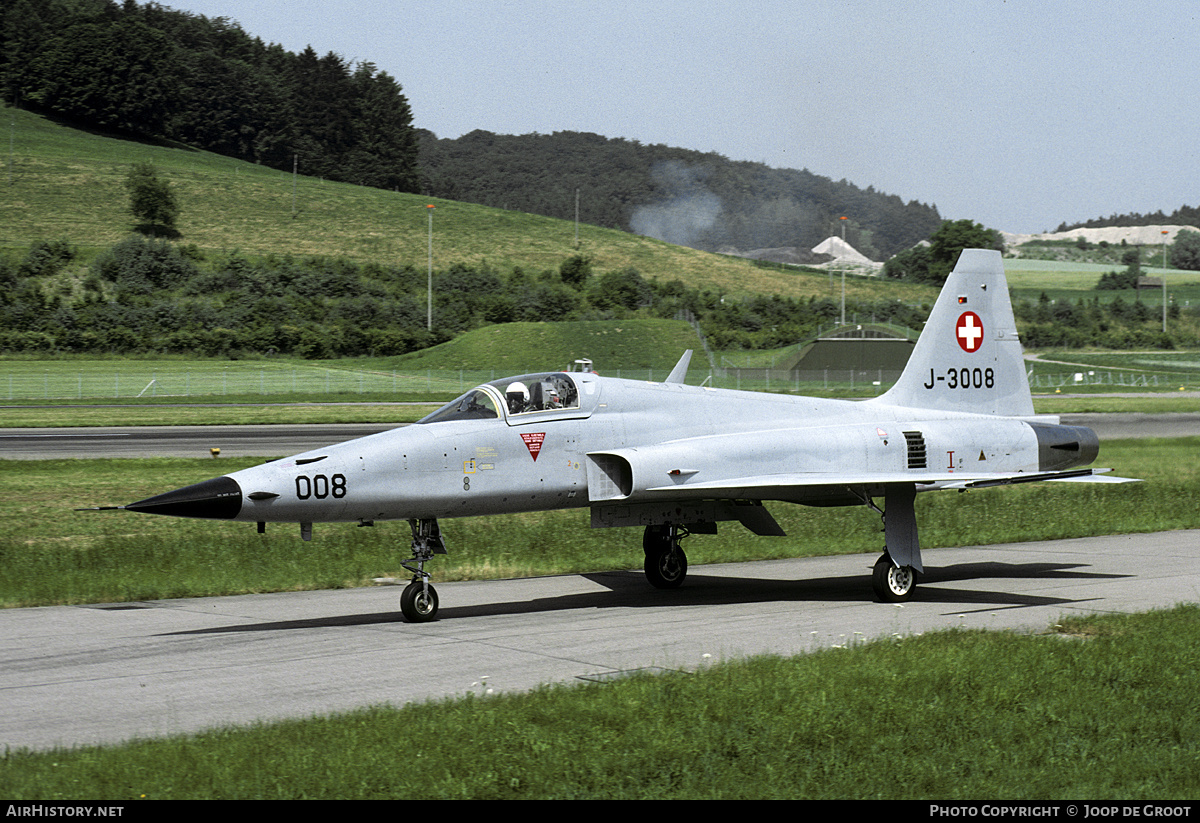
x=533 y=442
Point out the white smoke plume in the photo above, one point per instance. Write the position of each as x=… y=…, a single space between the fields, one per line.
x=688 y=211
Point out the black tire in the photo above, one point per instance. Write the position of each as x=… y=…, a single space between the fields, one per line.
x=892 y=583
x=417 y=605
x=666 y=569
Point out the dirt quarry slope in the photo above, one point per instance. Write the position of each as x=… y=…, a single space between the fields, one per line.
x=1132 y=235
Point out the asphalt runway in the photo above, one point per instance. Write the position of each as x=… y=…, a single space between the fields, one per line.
x=81 y=675
x=279 y=441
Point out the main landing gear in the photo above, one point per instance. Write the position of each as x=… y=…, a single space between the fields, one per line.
x=895 y=574
x=666 y=564
x=419 y=600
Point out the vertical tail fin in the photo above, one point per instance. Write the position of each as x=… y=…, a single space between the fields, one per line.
x=679 y=373
x=968 y=357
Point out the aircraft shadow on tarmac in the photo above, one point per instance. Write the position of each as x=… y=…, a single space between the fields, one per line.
x=628 y=589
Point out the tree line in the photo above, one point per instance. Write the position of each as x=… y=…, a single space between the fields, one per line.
x=153 y=72
x=931 y=262
x=1089 y=322
x=152 y=296
x=149 y=295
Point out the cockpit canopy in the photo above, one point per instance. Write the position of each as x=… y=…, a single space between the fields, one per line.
x=474 y=405
x=539 y=392
x=527 y=394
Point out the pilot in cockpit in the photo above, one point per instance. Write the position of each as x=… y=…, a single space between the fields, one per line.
x=517 y=396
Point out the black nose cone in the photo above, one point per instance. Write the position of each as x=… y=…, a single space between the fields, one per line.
x=216 y=499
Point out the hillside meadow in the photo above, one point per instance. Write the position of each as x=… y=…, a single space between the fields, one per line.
x=68 y=184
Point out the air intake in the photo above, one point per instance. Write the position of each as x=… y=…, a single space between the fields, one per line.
x=609 y=477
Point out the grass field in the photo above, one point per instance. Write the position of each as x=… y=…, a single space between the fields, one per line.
x=1028 y=279
x=80 y=391
x=1184 y=363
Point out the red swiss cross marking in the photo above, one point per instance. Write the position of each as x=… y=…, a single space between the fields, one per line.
x=969 y=331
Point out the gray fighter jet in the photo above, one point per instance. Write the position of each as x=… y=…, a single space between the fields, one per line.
x=677 y=459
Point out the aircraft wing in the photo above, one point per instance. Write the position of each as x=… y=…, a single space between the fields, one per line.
x=742 y=486
x=1074 y=476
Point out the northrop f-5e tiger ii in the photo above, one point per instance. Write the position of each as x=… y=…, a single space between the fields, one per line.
x=676 y=459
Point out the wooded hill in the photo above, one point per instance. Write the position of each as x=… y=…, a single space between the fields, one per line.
x=685 y=197
x=152 y=72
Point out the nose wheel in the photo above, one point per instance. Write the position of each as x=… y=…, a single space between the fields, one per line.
x=419 y=600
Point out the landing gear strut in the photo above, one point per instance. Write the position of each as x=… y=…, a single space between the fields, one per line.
x=666 y=564
x=419 y=600
x=895 y=574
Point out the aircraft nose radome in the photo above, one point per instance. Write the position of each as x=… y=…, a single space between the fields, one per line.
x=216 y=499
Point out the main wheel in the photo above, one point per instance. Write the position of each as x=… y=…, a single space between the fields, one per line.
x=418 y=604
x=666 y=569
x=892 y=583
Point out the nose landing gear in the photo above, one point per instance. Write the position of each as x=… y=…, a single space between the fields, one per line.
x=419 y=600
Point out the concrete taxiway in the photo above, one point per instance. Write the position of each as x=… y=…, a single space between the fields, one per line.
x=81 y=675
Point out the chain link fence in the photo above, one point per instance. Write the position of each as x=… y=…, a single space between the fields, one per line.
x=20 y=383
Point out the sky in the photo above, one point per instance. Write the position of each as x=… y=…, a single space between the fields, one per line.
x=1017 y=114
